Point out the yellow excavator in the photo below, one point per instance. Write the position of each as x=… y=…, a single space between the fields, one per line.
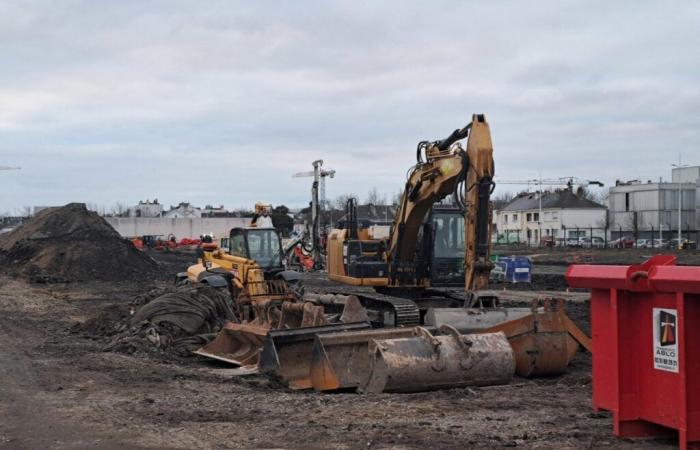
x=431 y=244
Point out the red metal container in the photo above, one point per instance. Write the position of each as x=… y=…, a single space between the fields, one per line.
x=645 y=326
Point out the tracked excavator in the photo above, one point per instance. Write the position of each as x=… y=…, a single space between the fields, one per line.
x=431 y=245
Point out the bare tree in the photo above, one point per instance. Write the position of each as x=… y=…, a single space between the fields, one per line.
x=375 y=198
x=119 y=210
x=632 y=223
x=396 y=198
x=501 y=199
x=341 y=200
x=25 y=211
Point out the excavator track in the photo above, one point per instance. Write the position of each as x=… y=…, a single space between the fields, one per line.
x=385 y=310
x=401 y=312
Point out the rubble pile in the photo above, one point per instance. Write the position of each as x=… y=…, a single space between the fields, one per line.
x=69 y=244
x=177 y=322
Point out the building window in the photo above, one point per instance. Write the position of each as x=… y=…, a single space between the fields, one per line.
x=627 y=201
x=505 y=218
x=528 y=217
x=537 y=217
x=515 y=217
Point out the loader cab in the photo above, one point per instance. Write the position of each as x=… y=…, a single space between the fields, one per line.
x=446 y=231
x=260 y=244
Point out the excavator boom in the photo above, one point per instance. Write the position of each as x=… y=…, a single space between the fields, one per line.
x=443 y=168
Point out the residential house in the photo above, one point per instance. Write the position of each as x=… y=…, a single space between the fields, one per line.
x=146 y=209
x=183 y=211
x=561 y=214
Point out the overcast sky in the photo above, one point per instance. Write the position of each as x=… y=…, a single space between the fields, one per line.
x=221 y=102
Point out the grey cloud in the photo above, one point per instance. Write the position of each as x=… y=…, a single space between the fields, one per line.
x=117 y=101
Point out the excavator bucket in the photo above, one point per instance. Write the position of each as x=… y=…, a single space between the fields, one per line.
x=300 y=315
x=545 y=341
x=543 y=337
x=236 y=343
x=426 y=362
x=286 y=354
x=341 y=360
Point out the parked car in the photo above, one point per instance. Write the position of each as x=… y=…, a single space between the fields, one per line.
x=592 y=242
x=574 y=242
x=623 y=242
x=661 y=243
x=685 y=244
x=643 y=243
x=548 y=241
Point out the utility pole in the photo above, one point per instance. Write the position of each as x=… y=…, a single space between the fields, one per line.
x=539 y=217
x=680 y=200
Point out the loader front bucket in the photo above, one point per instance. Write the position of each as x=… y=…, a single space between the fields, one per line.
x=425 y=362
x=341 y=360
x=286 y=354
x=236 y=343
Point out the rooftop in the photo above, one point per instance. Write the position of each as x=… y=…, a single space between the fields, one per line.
x=563 y=199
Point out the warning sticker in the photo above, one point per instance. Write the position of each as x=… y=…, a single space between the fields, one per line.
x=665 y=323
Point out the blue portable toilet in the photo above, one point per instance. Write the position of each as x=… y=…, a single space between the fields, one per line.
x=518 y=269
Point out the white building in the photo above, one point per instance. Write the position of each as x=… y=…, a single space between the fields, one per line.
x=183 y=211
x=641 y=209
x=146 y=209
x=562 y=215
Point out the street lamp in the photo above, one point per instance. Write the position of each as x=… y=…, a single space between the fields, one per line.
x=680 y=199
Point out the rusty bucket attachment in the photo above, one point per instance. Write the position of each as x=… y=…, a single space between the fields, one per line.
x=300 y=315
x=543 y=337
x=426 y=362
x=236 y=343
x=286 y=354
x=341 y=360
x=471 y=320
x=545 y=341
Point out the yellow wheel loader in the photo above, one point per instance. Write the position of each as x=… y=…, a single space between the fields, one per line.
x=264 y=295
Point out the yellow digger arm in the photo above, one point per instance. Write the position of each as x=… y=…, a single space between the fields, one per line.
x=444 y=168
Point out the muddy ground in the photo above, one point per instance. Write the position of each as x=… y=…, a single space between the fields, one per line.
x=61 y=390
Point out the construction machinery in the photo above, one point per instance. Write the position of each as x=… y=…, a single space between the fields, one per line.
x=402 y=290
x=251 y=269
x=430 y=245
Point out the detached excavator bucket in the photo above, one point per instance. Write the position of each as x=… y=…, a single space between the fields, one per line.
x=543 y=337
x=236 y=343
x=286 y=354
x=426 y=362
x=341 y=360
x=544 y=341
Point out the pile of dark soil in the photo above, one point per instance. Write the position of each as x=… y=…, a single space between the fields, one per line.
x=71 y=244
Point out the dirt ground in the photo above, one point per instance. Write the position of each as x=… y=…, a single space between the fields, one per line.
x=61 y=390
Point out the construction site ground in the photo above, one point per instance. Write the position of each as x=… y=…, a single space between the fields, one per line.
x=60 y=389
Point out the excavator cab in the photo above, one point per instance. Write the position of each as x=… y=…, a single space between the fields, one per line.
x=446 y=235
x=259 y=244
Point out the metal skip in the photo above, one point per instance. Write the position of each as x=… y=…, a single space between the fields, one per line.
x=426 y=362
x=341 y=360
x=286 y=354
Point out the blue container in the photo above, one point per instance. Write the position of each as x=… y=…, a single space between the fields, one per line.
x=518 y=269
